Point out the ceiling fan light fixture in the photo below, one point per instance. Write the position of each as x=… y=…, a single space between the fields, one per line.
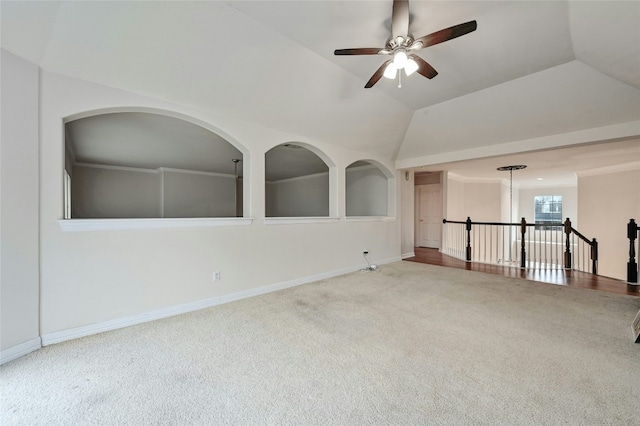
x=410 y=67
x=390 y=71
x=400 y=59
x=402 y=42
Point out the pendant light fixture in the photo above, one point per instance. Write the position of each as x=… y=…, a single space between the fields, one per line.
x=511 y=169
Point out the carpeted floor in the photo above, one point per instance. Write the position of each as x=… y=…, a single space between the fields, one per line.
x=411 y=344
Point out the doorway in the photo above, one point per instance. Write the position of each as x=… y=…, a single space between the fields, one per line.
x=428 y=215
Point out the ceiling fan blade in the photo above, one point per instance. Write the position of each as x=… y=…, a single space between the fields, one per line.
x=400 y=19
x=446 y=34
x=377 y=75
x=423 y=67
x=358 y=51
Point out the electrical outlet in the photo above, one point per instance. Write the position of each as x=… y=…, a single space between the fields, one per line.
x=216 y=276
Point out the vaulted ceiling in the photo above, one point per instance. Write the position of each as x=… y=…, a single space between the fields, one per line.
x=533 y=75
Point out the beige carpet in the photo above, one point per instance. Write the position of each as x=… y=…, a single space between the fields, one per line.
x=411 y=344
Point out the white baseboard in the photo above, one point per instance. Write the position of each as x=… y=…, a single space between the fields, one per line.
x=408 y=255
x=20 y=350
x=87 y=330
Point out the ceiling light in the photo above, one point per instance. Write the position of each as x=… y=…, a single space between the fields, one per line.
x=410 y=67
x=390 y=71
x=400 y=58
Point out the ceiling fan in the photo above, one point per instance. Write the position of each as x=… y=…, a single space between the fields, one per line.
x=401 y=46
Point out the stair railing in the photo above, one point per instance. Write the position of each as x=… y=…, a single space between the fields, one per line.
x=548 y=245
x=593 y=251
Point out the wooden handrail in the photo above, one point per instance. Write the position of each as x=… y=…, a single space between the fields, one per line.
x=556 y=224
x=582 y=237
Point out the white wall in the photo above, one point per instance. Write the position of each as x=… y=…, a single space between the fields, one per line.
x=367 y=189
x=606 y=202
x=92 y=277
x=107 y=192
x=122 y=192
x=190 y=194
x=454 y=198
x=19 y=269
x=299 y=196
x=483 y=201
x=509 y=206
x=366 y=194
x=407 y=194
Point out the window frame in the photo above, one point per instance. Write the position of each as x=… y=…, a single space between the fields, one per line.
x=553 y=203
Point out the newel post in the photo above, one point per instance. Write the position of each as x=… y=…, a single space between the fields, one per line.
x=468 y=227
x=594 y=257
x=523 y=254
x=632 y=266
x=567 y=250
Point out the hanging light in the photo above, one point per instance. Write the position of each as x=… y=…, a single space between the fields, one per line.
x=410 y=67
x=400 y=58
x=510 y=169
x=390 y=71
x=400 y=61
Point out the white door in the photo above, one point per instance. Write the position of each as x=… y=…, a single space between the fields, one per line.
x=429 y=216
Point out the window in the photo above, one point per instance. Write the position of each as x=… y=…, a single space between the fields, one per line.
x=548 y=209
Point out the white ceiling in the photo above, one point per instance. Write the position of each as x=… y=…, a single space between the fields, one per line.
x=467 y=64
x=532 y=70
x=554 y=167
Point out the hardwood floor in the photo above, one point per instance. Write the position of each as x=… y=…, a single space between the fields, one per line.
x=559 y=277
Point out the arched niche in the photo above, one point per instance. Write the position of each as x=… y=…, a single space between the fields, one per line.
x=299 y=182
x=149 y=164
x=368 y=189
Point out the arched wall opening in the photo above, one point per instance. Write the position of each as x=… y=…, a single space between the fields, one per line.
x=299 y=182
x=147 y=163
x=368 y=189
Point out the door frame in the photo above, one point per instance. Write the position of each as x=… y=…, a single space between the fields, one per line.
x=416 y=214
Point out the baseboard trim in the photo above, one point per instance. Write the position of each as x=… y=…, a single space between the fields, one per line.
x=408 y=255
x=87 y=330
x=20 y=350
